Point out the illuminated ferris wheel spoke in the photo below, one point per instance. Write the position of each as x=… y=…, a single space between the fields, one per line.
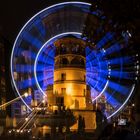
x=112 y=49
x=50 y=49
x=113 y=61
x=104 y=40
x=112 y=101
x=117 y=95
x=47 y=56
x=118 y=87
x=96 y=81
x=97 y=84
x=122 y=74
x=46 y=61
x=124 y=59
x=40 y=79
x=25 y=83
x=102 y=43
x=24 y=68
x=45 y=67
x=99 y=78
x=90 y=54
x=42 y=61
x=40 y=28
x=32 y=40
x=42 y=64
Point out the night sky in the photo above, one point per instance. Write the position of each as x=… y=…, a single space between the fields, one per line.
x=15 y=13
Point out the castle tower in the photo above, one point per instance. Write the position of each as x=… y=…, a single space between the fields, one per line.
x=70 y=88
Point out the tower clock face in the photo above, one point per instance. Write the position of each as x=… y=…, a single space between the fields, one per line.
x=110 y=73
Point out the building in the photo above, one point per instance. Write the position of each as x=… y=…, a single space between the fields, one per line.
x=70 y=88
x=2 y=81
x=6 y=93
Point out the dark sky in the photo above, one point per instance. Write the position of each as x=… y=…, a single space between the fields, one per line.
x=15 y=13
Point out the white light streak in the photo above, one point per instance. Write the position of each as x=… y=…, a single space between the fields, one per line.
x=101 y=91
x=133 y=87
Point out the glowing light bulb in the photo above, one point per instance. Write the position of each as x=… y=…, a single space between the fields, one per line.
x=26 y=119
x=26 y=94
x=43 y=101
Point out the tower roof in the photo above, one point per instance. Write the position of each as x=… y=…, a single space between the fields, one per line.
x=69 y=41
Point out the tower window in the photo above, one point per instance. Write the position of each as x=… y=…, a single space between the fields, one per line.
x=63 y=90
x=65 y=61
x=60 y=101
x=63 y=76
x=84 y=92
x=84 y=78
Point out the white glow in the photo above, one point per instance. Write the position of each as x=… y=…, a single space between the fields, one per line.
x=129 y=33
x=104 y=50
x=11 y=64
x=101 y=91
x=26 y=119
x=137 y=72
x=26 y=94
x=133 y=87
x=43 y=101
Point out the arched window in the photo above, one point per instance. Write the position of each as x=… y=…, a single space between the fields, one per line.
x=57 y=62
x=82 y=62
x=75 y=61
x=65 y=61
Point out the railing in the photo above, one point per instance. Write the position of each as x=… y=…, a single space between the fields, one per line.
x=69 y=81
x=70 y=52
x=69 y=65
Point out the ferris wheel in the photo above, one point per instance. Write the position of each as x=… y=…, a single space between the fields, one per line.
x=110 y=71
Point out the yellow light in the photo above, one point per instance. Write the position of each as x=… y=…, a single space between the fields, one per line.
x=54 y=108
x=69 y=90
